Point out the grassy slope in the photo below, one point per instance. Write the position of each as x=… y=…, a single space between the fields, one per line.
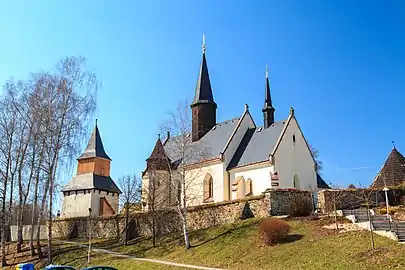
x=237 y=246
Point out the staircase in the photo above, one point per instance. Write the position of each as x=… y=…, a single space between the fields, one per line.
x=379 y=222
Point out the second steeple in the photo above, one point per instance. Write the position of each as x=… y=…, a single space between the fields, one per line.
x=268 y=109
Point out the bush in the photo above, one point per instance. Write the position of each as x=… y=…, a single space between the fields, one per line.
x=273 y=230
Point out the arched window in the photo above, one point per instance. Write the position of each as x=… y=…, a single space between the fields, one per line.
x=296 y=181
x=208 y=188
x=239 y=186
x=249 y=189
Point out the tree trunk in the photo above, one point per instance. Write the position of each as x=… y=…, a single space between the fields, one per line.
x=185 y=229
x=371 y=227
x=19 y=228
x=34 y=212
x=334 y=209
x=126 y=223
x=3 y=226
x=43 y=204
x=50 y=217
x=153 y=230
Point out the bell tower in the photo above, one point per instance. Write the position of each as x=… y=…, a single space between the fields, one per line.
x=203 y=107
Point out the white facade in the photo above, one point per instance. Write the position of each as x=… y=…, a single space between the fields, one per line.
x=290 y=159
x=77 y=205
x=259 y=174
x=293 y=159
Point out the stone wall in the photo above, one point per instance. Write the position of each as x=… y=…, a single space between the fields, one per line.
x=274 y=202
x=289 y=202
x=347 y=198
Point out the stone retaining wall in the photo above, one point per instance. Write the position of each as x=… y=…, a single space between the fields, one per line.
x=274 y=202
x=347 y=198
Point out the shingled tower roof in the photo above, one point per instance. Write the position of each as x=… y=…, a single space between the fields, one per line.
x=393 y=171
x=95 y=146
x=158 y=160
x=203 y=91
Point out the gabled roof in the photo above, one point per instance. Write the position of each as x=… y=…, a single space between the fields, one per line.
x=320 y=182
x=95 y=147
x=207 y=148
x=393 y=171
x=256 y=145
x=91 y=181
x=203 y=91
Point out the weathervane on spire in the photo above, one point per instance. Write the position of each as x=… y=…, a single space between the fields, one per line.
x=203 y=44
x=393 y=144
x=267 y=72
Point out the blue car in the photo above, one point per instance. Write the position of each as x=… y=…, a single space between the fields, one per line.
x=59 y=267
x=100 y=268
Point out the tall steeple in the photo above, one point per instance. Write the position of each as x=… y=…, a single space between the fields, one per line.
x=203 y=106
x=268 y=109
x=95 y=146
x=94 y=159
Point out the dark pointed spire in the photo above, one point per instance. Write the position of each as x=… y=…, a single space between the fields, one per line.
x=203 y=106
x=203 y=91
x=268 y=109
x=95 y=146
x=158 y=160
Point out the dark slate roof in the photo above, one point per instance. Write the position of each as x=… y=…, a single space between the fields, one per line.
x=95 y=147
x=208 y=147
x=320 y=182
x=393 y=171
x=91 y=181
x=203 y=91
x=257 y=144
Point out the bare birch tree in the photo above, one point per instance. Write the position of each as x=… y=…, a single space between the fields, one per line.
x=131 y=193
x=183 y=164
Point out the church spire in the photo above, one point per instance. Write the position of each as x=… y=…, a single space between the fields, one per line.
x=203 y=91
x=268 y=109
x=95 y=146
x=203 y=106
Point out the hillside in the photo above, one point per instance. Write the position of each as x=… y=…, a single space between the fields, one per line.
x=237 y=246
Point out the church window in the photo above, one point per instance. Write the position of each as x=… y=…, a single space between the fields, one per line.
x=208 y=187
x=293 y=138
x=296 y=181
x=239 y=186
x=248 y=189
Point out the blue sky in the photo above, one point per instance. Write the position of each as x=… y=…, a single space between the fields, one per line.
x=340 y=64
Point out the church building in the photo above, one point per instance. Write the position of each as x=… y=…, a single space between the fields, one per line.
x=235 y=158
x=92 y=186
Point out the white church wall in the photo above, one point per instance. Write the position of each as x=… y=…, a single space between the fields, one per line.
x=76 y=205
x=195 y=180
x=247 y=122
x=294 y=159
x=260 y=176
x=95 y=201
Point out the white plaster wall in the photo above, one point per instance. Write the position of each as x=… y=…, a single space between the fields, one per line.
x=195 y=180
x=95 y=201
x=76 y=205
x=294 y=158
x=260 y=176
x=247 y=122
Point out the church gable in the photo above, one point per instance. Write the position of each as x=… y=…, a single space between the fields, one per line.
x=256 y=145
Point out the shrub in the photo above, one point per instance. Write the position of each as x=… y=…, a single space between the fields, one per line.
x=273 y=230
